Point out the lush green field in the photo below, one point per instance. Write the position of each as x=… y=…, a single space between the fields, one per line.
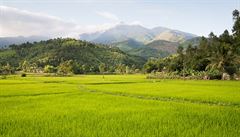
x=118 y=106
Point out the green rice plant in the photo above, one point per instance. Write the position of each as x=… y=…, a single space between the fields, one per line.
x=118 y=106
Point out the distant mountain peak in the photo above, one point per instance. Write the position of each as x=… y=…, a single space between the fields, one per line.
x=137 y=40
x=123 y=32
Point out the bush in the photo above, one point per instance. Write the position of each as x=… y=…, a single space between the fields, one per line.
x=23 y=75
x=231 y=70
x=3 y=77
x=163 y=75
x=214 y=74
x=50 y=69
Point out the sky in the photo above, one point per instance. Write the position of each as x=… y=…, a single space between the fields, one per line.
x=69 y=18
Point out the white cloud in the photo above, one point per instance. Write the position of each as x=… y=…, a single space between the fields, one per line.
x=16 y=22
x=20 y=22
x=109 y=16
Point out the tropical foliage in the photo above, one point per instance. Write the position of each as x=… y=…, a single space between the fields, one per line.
x=214 y=55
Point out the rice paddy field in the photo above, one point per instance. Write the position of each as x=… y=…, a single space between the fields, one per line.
x=118 y=106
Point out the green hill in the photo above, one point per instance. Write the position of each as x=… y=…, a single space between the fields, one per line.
x=163 y=45
x=53 y=52
x=128 y=45
x=136 y=48
x=148 y=52
x=194 y=42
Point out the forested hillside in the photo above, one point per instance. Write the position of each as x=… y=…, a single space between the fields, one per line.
x=213 y=57
x=67 y=55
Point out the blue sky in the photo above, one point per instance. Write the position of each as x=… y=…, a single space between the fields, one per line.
x=194 y=16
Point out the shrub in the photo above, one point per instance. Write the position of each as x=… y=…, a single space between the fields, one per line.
x=3 y=77
x=23 y=75
x=231 y=70
x=214 y=74
x=50 y=69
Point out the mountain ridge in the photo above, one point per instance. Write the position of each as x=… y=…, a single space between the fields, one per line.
x=141 y=41
x=6 y=41
x=123 y=32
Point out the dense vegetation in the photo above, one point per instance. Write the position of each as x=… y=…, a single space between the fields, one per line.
x=213 y=57
x=118 y=106
x=66 y=56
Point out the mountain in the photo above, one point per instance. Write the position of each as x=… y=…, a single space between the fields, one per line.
x=158 y=30
x=163 y=45
x=173 y=36
x=128 y=45
x=133 y=39
x=140 y=41
x=54 y=51
x=156 y=48
x=194 y=42
x=6 y=41
x=139 y=33
x=147 y=52
x=134 y=47
x=118 y=34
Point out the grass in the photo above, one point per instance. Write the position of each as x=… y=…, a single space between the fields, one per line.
x=118 y=106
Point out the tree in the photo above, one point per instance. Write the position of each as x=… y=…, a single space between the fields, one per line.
x=179 y=60
x=25 y=66
x=102 y=68
x=65 y=67
x=77 y=68
x=212 y=35
x=236 y=26
x=128 y=70
x=150 y=65
x=85 y=68
x=180 y=50
x=6 y=70
x=235 y=14
x=33 y=67
x=120 y=68
x=50 y=69
x=236 y=32
x=225 y=37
